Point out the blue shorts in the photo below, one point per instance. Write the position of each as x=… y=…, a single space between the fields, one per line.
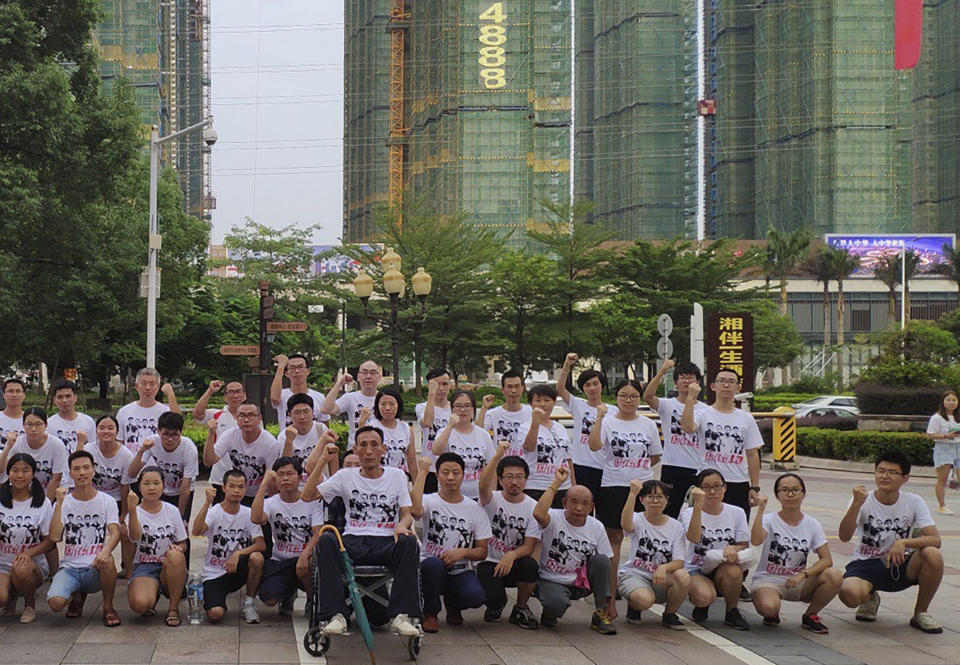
x=881 y=577
x=151 y=570
x=68 y=581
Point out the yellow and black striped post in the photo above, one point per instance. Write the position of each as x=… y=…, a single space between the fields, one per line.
x=785 y=439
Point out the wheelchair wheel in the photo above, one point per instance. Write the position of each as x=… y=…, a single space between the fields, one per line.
x=413 y=647
x=316 y=643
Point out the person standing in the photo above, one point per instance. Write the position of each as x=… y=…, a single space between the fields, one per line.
x=944 y=430
x=11 y=418
x=683 y=453
x=304 y=434
x=250 y=449
x=353 y=403
x=297 y=369
x=433 y=415
x=397 y=435
x=234 y=395
x=67 y=421
x=504 y=422
x=47 y=450
x=138 y=420
x=546 y=447
x=471 y=442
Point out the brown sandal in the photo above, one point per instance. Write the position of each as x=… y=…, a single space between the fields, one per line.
x=173 y=618
x=111 y=618
x=75 y=608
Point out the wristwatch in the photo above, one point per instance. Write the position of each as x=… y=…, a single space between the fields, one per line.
x=755 y=488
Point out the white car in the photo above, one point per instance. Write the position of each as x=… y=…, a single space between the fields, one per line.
x=820 y=411
x=846 y=401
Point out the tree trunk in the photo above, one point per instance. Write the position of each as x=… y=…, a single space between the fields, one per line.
x=783 y=297
x=892 y=307
x=840 y=323
x=906 y=303
x=826 y=318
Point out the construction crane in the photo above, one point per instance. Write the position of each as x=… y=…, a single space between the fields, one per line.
x=399 y=17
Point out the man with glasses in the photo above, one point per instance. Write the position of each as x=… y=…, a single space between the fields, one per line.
x=297 y=369
x=226 y=418
x=353 y=403
x=886 y=557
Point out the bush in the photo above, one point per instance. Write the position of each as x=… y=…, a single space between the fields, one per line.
x=767 y=401
x=895 y=399
x=862 y=446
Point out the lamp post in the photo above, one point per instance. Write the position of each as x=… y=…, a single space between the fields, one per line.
x=154 y=239
x=394 y=285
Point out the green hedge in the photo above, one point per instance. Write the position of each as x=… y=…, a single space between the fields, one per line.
x=862 y=446
x=898 y=399
x=770 y=401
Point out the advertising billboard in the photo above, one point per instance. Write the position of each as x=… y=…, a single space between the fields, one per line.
x=870 y=247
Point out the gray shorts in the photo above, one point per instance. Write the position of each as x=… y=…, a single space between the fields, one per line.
x=629 y=581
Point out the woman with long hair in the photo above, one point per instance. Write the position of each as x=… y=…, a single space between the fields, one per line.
x=944 y=429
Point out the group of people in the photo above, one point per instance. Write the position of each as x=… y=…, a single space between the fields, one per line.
x=505 y=499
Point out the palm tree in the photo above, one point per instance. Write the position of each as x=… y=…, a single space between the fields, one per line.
x=842 y=264
x=889 y=270
x=821 y=265
x=785 y=251
x=913 y=263
x=951 y=267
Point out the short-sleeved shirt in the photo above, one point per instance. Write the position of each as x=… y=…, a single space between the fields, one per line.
x=85 y=527
x=716 y=532
x=396 y=441
x=226 y=534
x=373 y=504
x=66 y=430
x=109 y=473
x=441 y=416
x=879 y=526
x=787 y=547
x=552 y=451
x=137 y=423
x=352 y=404
x=8 y=424
x=450 y=526
x=510 y=523
x=175 y=465
x=318 y=416
x=303 y=445
x=292 y=524
x=567 y=547
x=476 y=449
x=225 y=421
x=679 y=448
x=940 y=425
x=21 y=527
x=51 y=458
x=505 y=425
x=584 y=416
x=157 y=532
x=253 y=459
x=628 y=446
x=651 y=546
x=725 y=438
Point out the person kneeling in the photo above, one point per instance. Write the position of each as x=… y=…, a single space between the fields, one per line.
x=234 y=550
x=159 y=563
x=88 y=522
x=654 y=572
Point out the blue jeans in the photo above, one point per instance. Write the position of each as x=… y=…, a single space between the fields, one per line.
x=67 y=581
x=460 y=592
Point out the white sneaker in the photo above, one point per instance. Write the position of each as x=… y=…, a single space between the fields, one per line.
x=711 y=560
x=336 y=626
x=945 y=511
x=402 y=626
x=250 y=614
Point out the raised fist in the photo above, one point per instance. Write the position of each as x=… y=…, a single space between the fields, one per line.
x=346 y=378
x=859 y=495
x=601 y=411
x=210 y=494
x=698 y=496
x=693 y=391
x=364 y=416
x=216 y=385
x=540 y=416
x=60 y=494
x=560 y=475
x=571 y=360
x=488 y=401
x=132 y=501
x=11 y=437
x=281 y=360
x=269 y=475
x=502 y=448
x=668 y=364
x=332 y=451
x=147 y=444
x=433 y=386
x=329 y=436
x=635 y=486
x=81 y=438
x=167 y=390
x=290 y=433
x=423 y=464
x=212 y=425
x=762 y=500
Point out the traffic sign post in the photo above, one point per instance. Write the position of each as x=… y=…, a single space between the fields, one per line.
x=664 y=344
x=286 y=326
x=227 y=350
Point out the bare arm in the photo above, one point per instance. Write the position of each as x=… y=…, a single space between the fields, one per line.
x=568 y=362
x=757 y=533
x=541 y=512
x=416 y=492
x=482 y=413
x=753 y=466
x=626 y=515
x=687 y=422
x=276 y=386
x=329 y=405
x=488 y=477
x=257 y=514
x=412 y=458
x=443 y=438
x=200 y=410
x=650 y=392
x=200 y=521
x=594 y=441
x=171 y=396
x=210 y=456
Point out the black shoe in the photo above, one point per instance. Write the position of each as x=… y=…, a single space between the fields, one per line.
x=736 y=620
x=672 y=621
x=523 y=617
x=745 y=593
x=491 y=615
x=700 y=614
x=548 y=621
x=634 y=616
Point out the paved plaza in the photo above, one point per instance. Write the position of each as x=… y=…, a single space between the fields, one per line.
x=55 y=639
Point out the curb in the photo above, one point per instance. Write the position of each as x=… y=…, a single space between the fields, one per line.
x=845 y=465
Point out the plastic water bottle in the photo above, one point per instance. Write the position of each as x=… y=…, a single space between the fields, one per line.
x=195 y=598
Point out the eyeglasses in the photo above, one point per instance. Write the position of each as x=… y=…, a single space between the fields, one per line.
x=33 y=425
x=368 y=372
x=790 y=491
x=462 y=407
x=170 y=435
x=628 y=398
x=713 y=488
x=889 y=472
x=513 y=477
x=656 y=498
x=246 y=416
x=726 y=382
x=235 y=392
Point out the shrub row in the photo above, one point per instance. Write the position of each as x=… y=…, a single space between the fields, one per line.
x=862 y=446
x=889 y=399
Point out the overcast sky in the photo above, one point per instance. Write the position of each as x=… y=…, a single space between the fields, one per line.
x=278 y=109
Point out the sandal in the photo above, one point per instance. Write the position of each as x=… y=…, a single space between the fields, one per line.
x=173 y=619
x=75 y=608
x=111 y=618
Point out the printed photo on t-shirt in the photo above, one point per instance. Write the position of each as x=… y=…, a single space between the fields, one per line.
x=508 y=529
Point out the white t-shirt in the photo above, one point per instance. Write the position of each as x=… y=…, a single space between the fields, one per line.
x=137 y=423
x=716 y=532
x=318 y=415
x=725 y=438
x=679 y=448
x=476 y=449
x=567 y=547
x=8 y=424
x=226 y=534
x=109 y=473
x=21 y=527
x=177 y=464
x=51 y=458
x=253 y=459
x=584 y=416
x=158 y=532
x=627 y=448
x=85 y=527
x=510 y=524
x=352 y=404
x=292 y=524
x=66 y=430
x=553 y=450
x=303 y=445
x=787 y=547
x=373 y=504
x=504 y=425
x=450 y=526
x=940 y=425
x=225 y=421
x=441 y=416
x=879 y=526
x=396 y=441
x=652 y=546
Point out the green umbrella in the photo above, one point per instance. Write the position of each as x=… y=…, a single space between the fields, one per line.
x=354 y=593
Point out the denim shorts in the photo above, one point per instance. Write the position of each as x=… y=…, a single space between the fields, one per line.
x=151 y=570
x=68 y=581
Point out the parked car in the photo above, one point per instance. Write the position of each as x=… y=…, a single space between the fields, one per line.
x=846 y=401
x=828 y=417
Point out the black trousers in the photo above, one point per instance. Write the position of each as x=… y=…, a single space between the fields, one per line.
x=681 y=479
x=525 y=569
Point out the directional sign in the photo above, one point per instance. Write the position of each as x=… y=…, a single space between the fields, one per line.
x=239 y=350
x=664 y=325
x=286 y=326
x=664 y=347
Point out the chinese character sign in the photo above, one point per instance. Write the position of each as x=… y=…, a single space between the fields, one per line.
x=729 y=345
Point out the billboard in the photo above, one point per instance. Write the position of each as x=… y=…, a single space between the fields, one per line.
x=326 y=261
x=728 y=343
x=870 y=247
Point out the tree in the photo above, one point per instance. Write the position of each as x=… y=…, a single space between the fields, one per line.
x=821 y=265
x=890 y=270
x=950 y=268
x=843 y=264
x=785 y=252
x=776 y=341
x=623 y=332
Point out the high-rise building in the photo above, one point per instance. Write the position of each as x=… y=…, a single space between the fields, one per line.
x=163 y=48
x=464 y=103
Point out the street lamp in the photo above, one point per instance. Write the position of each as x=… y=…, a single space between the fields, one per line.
x=395 y=286
x=154 y=239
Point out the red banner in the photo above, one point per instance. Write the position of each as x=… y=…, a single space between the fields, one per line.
x=908 y=29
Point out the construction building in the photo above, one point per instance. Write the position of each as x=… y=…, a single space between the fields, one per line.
x=467 y=104
x=163 y=48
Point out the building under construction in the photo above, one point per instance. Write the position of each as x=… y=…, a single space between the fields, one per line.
x=163 y=48
x=465 y=103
